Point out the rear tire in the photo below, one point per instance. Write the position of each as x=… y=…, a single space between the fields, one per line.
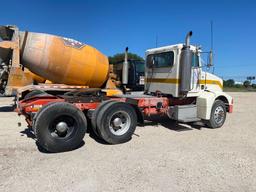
x=60 y=127
x=116 y=122
x=218 y=115
x=95 y=115
x=36 y=115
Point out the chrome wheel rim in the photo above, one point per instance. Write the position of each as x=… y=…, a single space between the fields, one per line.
x=219 y=114
x=119 y=123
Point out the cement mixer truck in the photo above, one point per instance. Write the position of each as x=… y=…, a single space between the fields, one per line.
x=175 y=86
x=28 y=58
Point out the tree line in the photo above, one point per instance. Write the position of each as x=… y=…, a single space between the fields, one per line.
x=232 y=83
x=119 y=57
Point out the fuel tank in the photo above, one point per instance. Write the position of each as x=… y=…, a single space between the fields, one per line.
x=63 y=60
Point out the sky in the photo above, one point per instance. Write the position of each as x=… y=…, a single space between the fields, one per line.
x=111 y=25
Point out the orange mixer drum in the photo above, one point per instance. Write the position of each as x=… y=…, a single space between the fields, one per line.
x=63 y=60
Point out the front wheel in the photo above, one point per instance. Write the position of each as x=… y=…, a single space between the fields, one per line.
x=218 y=115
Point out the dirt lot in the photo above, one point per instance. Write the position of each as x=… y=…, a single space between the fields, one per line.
x=158 y=158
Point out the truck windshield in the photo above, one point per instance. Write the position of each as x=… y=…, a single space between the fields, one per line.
x=139 y=66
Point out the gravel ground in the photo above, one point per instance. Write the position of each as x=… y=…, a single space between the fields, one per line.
x=160 y=157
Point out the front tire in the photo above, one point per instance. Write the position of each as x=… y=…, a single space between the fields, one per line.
x=218 y=115
x=60 y=127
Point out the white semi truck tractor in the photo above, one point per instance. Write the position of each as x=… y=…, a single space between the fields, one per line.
x=175 y=86
x=176 y=71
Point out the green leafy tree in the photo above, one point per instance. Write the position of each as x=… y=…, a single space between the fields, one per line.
x=238 y=85
x=229 y=83
x=247 y=83
x=120 y=57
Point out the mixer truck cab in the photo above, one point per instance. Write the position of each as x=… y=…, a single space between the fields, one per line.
x=136 y=71
x=175 y=86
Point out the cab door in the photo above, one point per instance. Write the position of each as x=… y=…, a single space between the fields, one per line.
x=161 y=73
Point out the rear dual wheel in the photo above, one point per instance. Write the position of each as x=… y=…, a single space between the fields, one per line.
x=95 y=115
x=115 y=122
x=60 y=127
x=36 y=115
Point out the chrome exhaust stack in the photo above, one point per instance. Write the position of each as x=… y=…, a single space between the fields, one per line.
x=185 y=67
x=125 y=69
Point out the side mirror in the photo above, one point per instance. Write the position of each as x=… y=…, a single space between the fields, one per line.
x=210 y=59
x=153 y=61
x=150 y=61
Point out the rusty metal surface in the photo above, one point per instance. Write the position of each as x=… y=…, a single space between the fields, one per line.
x=17 y=78
x=50 y=87
x=37 y=58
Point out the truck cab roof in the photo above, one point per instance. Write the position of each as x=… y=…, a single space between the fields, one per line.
x=167 y=48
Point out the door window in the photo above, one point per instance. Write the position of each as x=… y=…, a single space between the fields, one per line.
x=160 y=60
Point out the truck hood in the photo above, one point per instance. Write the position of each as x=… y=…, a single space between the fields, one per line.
x=213 y=82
